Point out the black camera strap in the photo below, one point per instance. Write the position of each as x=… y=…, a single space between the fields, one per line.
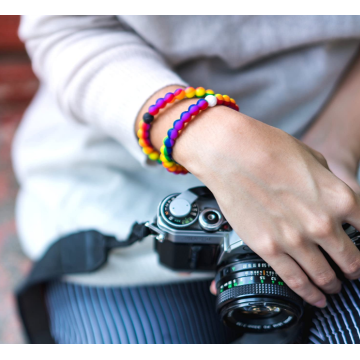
x=82 y=252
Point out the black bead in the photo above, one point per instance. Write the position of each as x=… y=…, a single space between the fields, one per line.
x=148 y=118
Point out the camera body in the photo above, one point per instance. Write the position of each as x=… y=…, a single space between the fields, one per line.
x=193 y=235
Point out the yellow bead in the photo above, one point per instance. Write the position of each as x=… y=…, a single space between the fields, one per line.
x=190 y=92
x=209 y=92
x=148 y=150
x=162 y=158
x=154 y=156
x=168 y=164
x=200 y=92
x=162 y=149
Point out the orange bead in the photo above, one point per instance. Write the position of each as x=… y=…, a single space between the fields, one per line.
x=233 y=101
x=173 y=168
x=209 y=92
x=142 y=134
x=148 y=150
x=226 y=98
x=144 y=143
x=180 y=95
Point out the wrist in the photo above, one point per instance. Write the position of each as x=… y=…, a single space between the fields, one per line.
x=206 y=143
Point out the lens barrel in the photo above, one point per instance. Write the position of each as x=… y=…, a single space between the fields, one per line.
x=251 y=296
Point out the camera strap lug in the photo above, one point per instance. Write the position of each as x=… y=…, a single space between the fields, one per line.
x=154 y=230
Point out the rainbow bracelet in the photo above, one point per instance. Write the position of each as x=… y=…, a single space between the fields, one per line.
x=145 y=124
x=169 y=141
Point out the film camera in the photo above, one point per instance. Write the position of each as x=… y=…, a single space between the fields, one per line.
x=193 y=235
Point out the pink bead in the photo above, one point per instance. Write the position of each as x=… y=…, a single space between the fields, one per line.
x=194 y=109
x=153 y=110
x=169 y=97
x=160 y=103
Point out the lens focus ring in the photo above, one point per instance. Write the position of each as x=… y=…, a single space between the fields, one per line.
x=256 y=289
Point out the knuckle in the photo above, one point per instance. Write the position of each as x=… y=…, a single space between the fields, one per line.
x=297 y=283
x=325 y=278
x=353 y=268
x=348 y=200
x=297 y=242
x=322 y=227
x=269 y=248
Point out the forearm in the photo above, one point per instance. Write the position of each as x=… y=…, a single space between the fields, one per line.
x=336 y=132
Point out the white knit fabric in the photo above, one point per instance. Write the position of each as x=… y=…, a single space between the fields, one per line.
x=76 y=154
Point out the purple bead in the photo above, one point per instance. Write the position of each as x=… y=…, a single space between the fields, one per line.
x=194 y=109
x=185 y=116
x=174 y=134
x=179 y=125
x=160 y=103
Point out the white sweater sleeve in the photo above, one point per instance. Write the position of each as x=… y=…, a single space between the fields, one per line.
x=99 y=70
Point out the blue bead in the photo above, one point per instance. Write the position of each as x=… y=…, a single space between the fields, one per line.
x=169 y=143
x=169 y=133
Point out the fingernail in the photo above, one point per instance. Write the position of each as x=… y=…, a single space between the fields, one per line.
x=321 y=303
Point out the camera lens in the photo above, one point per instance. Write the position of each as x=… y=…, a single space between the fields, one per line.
x=210 y=219
x=251 y=296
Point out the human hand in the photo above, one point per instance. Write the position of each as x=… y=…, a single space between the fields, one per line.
x=279 y=196
x=342 y=160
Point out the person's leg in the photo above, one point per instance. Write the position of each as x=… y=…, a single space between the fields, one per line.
x=339 y=322
x=173 y=313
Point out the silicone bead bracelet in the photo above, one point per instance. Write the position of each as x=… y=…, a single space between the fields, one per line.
x=169 y=141
x=145 y=124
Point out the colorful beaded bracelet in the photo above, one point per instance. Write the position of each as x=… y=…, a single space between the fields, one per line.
x=169 y=141
x=145 y=124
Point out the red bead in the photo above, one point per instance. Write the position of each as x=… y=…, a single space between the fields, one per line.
x=169 y=97
x=153 y=110
x=145 y=126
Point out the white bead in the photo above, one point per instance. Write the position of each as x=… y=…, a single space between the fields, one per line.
x=211 y=100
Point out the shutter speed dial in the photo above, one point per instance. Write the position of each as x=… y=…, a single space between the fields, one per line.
x=179 y=213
